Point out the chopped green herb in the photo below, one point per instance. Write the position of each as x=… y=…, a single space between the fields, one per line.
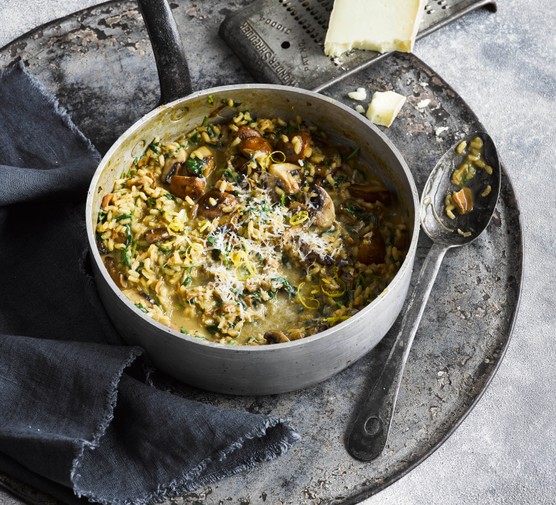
x=126 y=258
x=230 y=175
x=121 y=217
x=195 y=166
x=361 y=213
x=128 y=235
x=141 y=307
x=213 y=328
x=154 y=147
x=285 y=285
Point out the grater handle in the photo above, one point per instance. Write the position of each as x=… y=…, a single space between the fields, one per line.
x=171 y=63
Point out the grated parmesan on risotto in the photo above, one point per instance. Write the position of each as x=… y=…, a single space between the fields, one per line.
x=252 y=231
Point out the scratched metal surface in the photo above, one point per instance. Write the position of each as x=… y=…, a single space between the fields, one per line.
x=281 y=41
x=99 y=64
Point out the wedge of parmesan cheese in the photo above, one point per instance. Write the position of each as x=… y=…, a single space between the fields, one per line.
x=378 y=25
x=384 y=107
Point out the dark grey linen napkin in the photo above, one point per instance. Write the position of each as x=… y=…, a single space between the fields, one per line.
x=78 y=417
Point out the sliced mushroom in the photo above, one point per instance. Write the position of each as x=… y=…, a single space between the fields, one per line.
x=244 y=132
x=276 y=337
x=370 y=193
x=215 y=203
x=239 y=162
x=153 y=236
x=255 y=147
x=184 y=186
x=324 y=213
x=284 y=173
x=463 y=200
x=297 y=148
x=113 y=271
x=172 y=165
x=372 y=248
x=174 y=169
x=200 y=162
x=107 y=200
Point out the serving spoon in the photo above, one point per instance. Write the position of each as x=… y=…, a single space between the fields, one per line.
x=367 y=434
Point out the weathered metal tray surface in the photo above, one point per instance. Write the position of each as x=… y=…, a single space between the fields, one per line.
x=99 y=63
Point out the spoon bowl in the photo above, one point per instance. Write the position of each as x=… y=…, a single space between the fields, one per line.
x=435 y=221
x=457 y=204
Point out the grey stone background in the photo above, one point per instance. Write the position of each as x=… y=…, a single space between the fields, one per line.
x=504 y=67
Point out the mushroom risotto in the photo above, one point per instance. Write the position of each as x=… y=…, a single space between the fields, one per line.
x=251 y=231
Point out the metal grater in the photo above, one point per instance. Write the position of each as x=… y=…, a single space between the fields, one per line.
x=282 y=41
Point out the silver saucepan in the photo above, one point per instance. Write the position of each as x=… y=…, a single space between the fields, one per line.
x=247 y=370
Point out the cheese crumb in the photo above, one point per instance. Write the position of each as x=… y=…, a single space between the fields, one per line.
x=376 y=25
x=384 y=107
x=360 y=94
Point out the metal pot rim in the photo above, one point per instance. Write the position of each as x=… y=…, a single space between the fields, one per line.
x=219 y=90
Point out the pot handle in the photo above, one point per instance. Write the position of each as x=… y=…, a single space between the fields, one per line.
x=171 y=63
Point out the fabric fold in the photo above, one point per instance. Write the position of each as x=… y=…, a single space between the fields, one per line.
x=52 y=410
x=79 y=418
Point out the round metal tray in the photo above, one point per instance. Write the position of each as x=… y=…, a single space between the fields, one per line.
x=99 y=64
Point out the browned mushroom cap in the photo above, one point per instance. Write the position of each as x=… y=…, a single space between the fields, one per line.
x=324 y=213
x=200 y=162
x=215 y=203
x=286 y=179
x=254 y=147
x=370 y=193
x=156 y=235
x=372 y=248
x=244 y=132
x=297 y=148
x=107 y=200
x=276 y=337
x=239 y=162
x=184 y=186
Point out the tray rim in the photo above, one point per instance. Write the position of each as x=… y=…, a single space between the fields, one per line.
x=449 y=432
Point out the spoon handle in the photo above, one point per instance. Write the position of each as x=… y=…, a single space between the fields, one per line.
x=368 y=433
